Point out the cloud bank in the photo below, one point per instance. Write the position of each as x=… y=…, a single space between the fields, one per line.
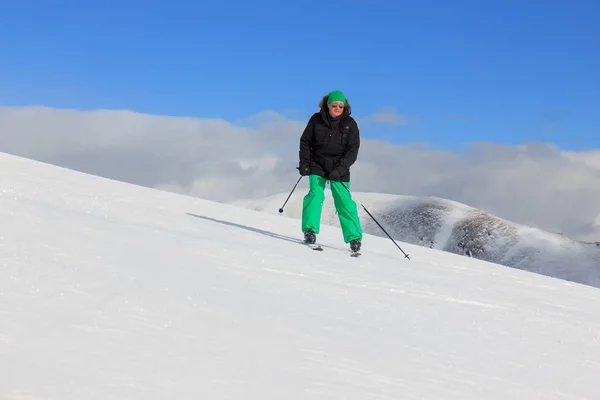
x=534 y=183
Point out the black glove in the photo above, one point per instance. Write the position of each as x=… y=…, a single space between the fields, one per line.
x=304 y=169
x=334 y=175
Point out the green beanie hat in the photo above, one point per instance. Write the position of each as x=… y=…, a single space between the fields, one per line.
x=336 y=95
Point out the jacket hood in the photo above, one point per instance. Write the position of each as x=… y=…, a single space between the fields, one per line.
x=323 y=105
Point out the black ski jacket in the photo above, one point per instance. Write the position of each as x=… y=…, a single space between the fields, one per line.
x=325 y=147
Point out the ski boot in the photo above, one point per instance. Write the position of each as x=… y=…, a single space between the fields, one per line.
x=355 y=245
x=310 y=237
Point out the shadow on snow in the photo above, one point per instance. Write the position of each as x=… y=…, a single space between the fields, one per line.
x=249 y=228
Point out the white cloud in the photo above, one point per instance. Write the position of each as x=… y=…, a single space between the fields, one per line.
x=534 y=183
x=387 y=116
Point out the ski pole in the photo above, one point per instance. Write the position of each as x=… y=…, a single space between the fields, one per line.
x=290 y=195
x=370 y=215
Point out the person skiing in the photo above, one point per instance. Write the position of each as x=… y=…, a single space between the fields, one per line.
x=328 y=148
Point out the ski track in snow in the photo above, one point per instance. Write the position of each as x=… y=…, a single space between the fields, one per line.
x=109 y=290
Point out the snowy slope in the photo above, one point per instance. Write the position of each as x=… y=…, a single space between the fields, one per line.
x=454 y=227
x=114 y=291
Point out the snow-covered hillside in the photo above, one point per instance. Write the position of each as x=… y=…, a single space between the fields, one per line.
x=454 y=227
x=115 y=291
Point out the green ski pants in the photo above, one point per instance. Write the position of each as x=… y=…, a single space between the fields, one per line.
x=344 y=205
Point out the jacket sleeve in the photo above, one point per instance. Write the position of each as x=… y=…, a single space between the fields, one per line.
x=345 y=162
x=306 y=143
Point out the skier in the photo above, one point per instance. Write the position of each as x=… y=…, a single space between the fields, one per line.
x=328 y=148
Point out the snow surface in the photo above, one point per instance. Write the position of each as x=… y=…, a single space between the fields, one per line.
x=115 y=291
x=457 y=228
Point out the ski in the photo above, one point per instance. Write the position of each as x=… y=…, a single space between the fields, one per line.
x=318 y=247
x=315 y=247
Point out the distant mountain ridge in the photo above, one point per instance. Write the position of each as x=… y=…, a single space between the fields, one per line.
x=457 y=228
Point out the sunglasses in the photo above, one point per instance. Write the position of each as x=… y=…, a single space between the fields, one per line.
x=338 y=105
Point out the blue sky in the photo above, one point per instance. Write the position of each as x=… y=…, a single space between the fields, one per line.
x=461 y=71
